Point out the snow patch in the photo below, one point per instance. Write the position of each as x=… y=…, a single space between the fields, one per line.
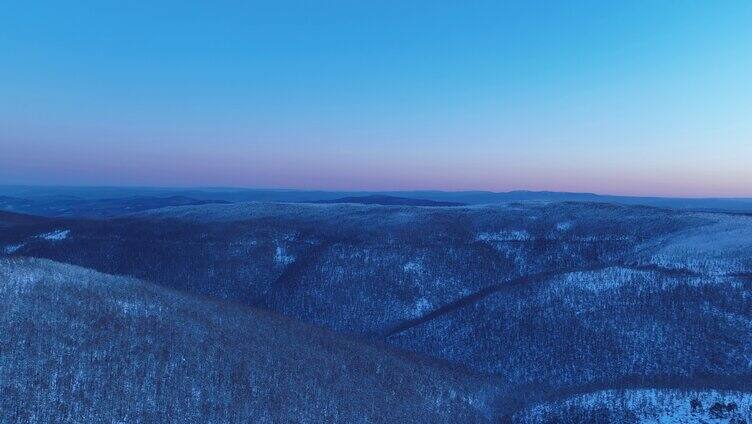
x=598 y=281
x=16 y=281
x=282 y=258
x=421 y=307
x=604 y=237
x=721 y=248
x=136 y=308
x=564 y=226
x=56 y=235
x=514 y=235
x=12 y=248
x=412 y=266
x=651 y=406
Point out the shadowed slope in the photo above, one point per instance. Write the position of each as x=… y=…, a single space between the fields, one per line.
x=78 y=346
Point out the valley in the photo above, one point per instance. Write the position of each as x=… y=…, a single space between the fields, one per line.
x=544 y=300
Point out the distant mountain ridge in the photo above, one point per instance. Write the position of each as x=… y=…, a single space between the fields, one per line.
x=219 y=194
x=61 y=206
x=376 y=199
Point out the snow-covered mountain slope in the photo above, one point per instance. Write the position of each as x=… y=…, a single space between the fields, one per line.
x=553 y=299
x=80 y=346
x=645 y=406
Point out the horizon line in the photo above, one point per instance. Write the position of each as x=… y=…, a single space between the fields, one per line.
x=359 y=190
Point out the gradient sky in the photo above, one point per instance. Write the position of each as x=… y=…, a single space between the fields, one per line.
x=633 y=97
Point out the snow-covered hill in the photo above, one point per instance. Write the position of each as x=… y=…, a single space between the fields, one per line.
x=80 y=346
x=553 y=300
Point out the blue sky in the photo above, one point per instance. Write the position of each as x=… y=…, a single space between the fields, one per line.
x=638 y=97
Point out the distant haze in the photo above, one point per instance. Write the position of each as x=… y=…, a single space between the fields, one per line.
x=637 y=98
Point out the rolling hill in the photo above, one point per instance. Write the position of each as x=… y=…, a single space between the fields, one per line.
x=388 y=201
x=80 y=346
x=561 y=302
x=58 y=206
x=81 y=195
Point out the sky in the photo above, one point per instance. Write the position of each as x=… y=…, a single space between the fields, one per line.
x=631 y=98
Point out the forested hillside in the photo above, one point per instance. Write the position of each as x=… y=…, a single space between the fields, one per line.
x=550 y=301
x=79 y=346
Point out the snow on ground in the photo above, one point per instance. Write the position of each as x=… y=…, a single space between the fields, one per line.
x=514 y=235
x=603 y=237
x=597 y=281
x=422 y=306
x=650 y=406
x=12 y=248
x=723 y=247
x=12 y=281
x=563 y=226
x=615 y=277
x=413 y=266
x=281 y=257
x=55 y=235
x=283 y=211
x=137 y=308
